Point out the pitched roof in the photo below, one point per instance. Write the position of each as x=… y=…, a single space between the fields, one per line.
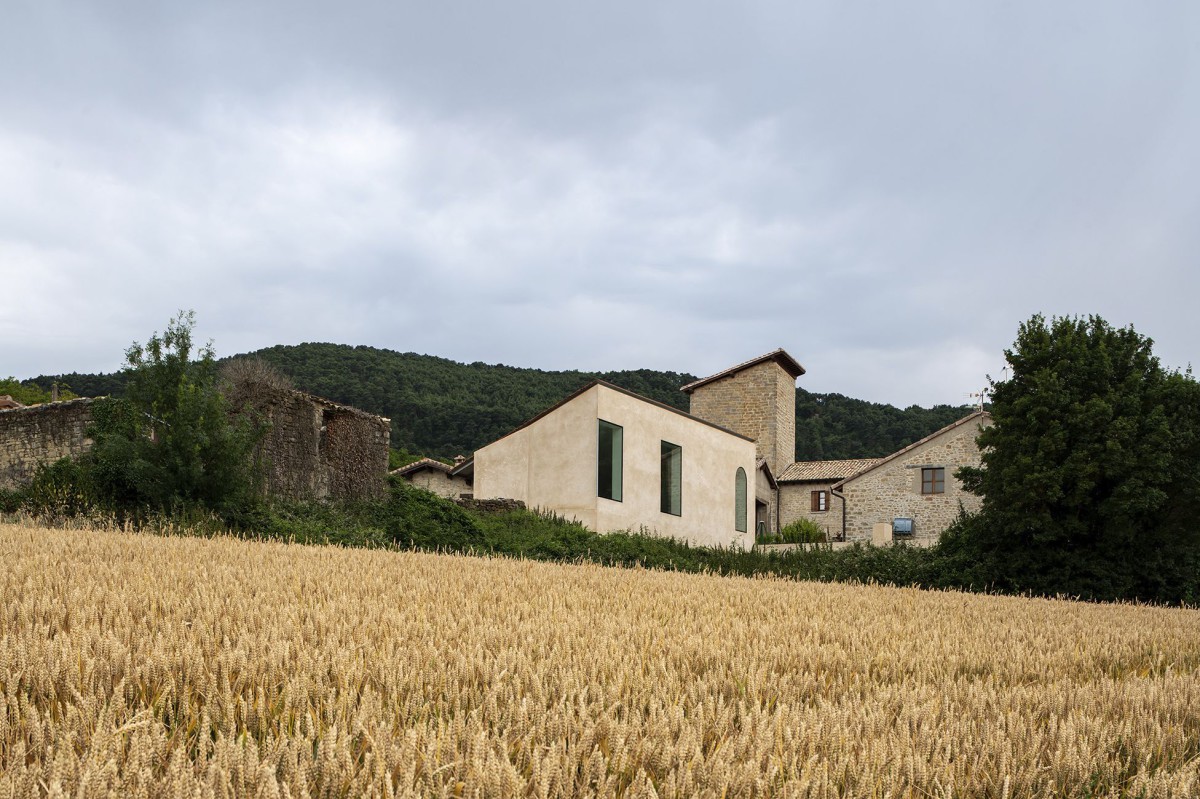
x=8 y=402
x=424 y=463
x=790 y=364
x=802 y=471
x=626 y=392
x=977 y=415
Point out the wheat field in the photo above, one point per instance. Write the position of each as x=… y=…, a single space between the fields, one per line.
x=140 y=666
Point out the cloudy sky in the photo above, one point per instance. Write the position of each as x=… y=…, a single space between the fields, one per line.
x=883 y=189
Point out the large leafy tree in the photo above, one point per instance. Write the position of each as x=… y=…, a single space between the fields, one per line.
x=1089 y=476
x=171 y=442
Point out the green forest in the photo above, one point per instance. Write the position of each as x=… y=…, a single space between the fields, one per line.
x=442 y=408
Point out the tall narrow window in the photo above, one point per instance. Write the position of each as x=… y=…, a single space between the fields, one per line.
x=739 y=501
x=820 y=501
x=608 y=461
x=671 y=473
x=933 y=480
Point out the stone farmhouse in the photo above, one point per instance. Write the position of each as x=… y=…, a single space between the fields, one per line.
x=616 y=461
x=436 y=477
x=313 y=449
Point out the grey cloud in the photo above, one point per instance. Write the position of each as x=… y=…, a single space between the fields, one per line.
x=885 y=191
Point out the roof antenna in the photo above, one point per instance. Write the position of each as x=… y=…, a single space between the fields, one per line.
x=980 y=396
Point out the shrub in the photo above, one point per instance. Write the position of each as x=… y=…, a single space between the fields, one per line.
x=802 y=531
x=59 y=490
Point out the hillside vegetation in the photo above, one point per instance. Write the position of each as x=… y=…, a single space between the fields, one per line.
x=136 y=665
x=442 y=408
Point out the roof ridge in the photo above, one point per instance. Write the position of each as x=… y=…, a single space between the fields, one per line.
x=780 y=356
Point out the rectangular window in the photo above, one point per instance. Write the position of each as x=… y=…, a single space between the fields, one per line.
x=671 y=482
x=933 y=480
x=820 y=501
x=609 y=461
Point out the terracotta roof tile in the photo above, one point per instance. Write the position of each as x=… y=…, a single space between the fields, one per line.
x=826 y=470
x=424 y=463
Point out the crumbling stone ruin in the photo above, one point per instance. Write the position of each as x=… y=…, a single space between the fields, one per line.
x=37 y=434
x=313 y=448
x=317 y=449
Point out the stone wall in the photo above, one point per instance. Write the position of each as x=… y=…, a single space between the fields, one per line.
x=313 y=449
x=316 y=449
x=41 y=434
x=894 y=489
x=758 y=402
x=494 y=505
x=440 y=483
x=354 y=453
x=795 y=502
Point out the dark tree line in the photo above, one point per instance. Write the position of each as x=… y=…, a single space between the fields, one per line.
x=442 y=408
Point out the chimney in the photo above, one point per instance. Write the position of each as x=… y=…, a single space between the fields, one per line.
x=459 y=459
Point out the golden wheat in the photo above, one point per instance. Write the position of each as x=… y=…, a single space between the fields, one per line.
x=134 y=665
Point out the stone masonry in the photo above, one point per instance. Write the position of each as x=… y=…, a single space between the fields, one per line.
x=759 y=402
x=313 y=448
x=893 y=488
x=317 y=449
x=41 y=434
x=795 y=502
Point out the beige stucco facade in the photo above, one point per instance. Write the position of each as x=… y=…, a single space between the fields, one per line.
x=551 y=463
x=893 y=489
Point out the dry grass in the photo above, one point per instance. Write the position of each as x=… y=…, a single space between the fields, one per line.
x=140 y=666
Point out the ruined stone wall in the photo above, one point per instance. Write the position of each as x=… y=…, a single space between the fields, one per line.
x=353 y=455
x=759 y=402
x=795 y=502
x=288 y=451
x=41 y=434
x=894 y=489
x=318 y=450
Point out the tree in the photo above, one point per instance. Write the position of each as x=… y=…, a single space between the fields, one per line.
x=30 y=393
x=172 y=442
x=1088 y=473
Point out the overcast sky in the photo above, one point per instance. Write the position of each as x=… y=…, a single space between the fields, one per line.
x=885 y=190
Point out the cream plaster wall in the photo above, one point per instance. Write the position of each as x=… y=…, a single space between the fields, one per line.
x=551 y=464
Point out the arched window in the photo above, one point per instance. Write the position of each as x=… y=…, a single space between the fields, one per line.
x=739 y=501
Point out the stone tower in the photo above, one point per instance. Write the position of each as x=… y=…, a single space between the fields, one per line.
x=757 y=399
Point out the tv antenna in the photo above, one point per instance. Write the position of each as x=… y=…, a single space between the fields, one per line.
x=978 y=397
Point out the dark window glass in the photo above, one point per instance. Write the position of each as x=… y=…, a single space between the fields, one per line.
x=933 y=480
x=739 y=501
x=608 y=461
x=672 y=479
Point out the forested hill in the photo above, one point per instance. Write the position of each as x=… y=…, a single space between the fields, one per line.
x=444 y=408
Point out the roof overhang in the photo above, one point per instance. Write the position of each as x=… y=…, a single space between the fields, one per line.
x=779 y=356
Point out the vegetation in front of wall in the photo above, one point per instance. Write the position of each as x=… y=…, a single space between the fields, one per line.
x=801 y=531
